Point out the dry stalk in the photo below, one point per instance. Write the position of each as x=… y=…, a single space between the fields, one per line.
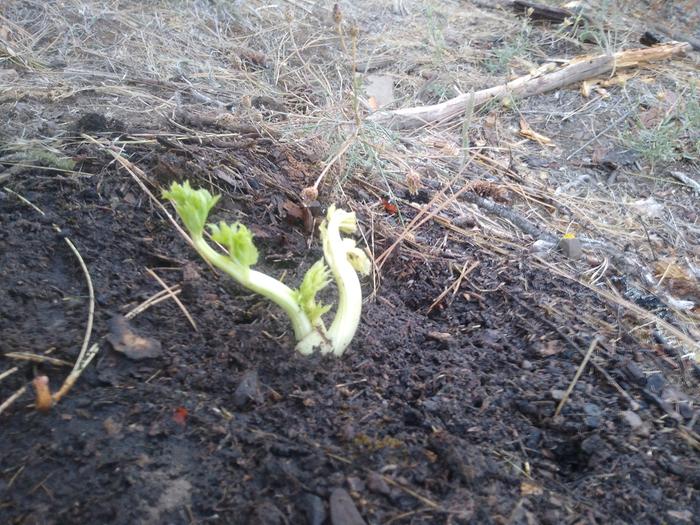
x=580 y=370
x=153 y=300
x=170 y=293
x=36 y=358
x=454 y=287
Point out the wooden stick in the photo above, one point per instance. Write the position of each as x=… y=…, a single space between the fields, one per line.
x=541 y=81
x=580 y=370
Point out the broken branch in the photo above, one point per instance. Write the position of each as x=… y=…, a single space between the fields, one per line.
x=540 y=81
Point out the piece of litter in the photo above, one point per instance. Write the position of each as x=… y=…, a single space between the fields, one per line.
x=571 y=247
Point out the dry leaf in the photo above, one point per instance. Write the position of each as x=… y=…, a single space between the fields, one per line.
x=413 y=182
x=126 y=341
x=373 y=104
x=527 y=132
x=530 y=488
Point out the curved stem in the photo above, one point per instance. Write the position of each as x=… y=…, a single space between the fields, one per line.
x=347 y=316
x=276 y=291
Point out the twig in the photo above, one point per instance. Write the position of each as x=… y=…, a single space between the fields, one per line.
x=152 y=301
x=692 y=345
x=28 y=356
x=540 y=81
x=426 y=501
x=170 y=293
x=456 y=284
x=79 y=365
x=505 y=213
x=576 y=376
x=8 y=372
x=688 y=181
x=12 y=398
x=633 y=404
x=333 y=160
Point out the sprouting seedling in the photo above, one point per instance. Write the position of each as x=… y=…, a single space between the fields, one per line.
x=300 y=305
x=345 y=259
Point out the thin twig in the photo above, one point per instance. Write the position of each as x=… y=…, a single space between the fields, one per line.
x=79 y=365
x=454 y=287
x=6 y=404
x=8 y=373
x=693 y=346
x=36 y=358
x=343 y=148
x=152 y=301
x=580 y=370
x=174 y=297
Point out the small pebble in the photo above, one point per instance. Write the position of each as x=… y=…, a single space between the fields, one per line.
x=376 y=483
x=343 y=509
x=634 y=372
x=557 y=394
x=592 y=409
x=632 y=419
x=356 y=484
x=314 y=509
x=248 y=390
x=656 y=383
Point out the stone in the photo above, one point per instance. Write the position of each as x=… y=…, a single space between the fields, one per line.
x=376 y=483
x=656 y=383
x=248 y=391
x=314 y=509
x=343 y=509
x=632 y=419
x=557 y=394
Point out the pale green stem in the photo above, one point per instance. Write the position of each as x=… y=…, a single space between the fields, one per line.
x=347 y=316
x=276 y=291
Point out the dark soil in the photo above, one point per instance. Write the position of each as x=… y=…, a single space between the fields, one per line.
x=445 y=417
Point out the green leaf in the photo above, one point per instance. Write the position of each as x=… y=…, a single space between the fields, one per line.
x=193 y=206
x=315 y=280
x=238 y=240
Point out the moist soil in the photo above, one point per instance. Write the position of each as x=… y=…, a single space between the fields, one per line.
x=442 y=415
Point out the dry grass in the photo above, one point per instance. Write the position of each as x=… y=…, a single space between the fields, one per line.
x=147 y=64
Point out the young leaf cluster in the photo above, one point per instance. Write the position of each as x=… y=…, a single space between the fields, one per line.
x=342 y=260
